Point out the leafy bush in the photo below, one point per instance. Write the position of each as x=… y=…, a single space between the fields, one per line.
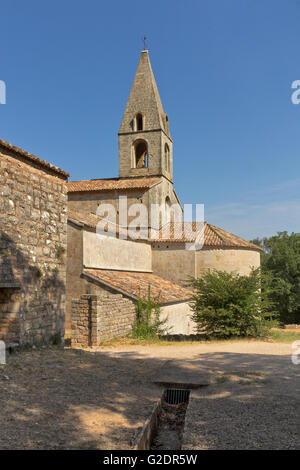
x=148 y=323
x=281 y=262
x=56 y=339
x=228 y=304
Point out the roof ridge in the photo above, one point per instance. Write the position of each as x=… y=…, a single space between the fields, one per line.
x=235 y=237
x=213 y=237
x=225 y=232
x=33 y=158
x=120 y=178
x=113 y=184
x=213 y=228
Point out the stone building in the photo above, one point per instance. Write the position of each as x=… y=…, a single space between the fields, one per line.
x=49 y=267
x=106 y=276
x=101 y=268
x=33 y=242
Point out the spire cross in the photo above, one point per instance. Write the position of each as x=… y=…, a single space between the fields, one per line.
x=145 y=43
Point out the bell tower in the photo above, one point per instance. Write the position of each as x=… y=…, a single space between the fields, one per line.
x=145 y=144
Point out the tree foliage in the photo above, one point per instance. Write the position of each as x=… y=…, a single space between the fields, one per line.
x=228 y=304
x=281 y=263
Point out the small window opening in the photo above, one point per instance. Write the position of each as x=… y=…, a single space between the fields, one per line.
x=139 y=122
x=166 y=123
x=167 y=157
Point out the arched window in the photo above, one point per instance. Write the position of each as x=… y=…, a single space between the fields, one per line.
x=165 y=120
x=167 y=157
x=139 y=124
x=167 y=210
x=140 y=154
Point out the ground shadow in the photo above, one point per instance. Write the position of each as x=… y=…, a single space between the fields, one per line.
x=72 y=399
x=252 y=404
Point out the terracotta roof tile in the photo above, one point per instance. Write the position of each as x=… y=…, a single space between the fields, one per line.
x=33 y=158
x=87 y=219
x=90 y=220
x=214 y=237
x=112 y=184
x=136 y=283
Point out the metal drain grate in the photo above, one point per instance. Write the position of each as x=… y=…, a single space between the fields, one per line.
x=174 y=396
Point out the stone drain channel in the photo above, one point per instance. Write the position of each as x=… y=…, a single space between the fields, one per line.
x=164 y=428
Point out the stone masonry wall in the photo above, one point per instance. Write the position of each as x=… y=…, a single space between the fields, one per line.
x=230 y=260
x=84 y=312
x=99 y=317
x=173 y=262
x=33 y=239
x=106 y=253
x=156 y=162
x=90 y=201
x=9 y=321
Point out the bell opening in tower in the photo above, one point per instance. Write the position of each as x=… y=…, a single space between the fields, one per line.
x=140 y=154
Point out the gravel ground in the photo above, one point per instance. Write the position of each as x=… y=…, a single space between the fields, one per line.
x=70 y=399
x=252 y=402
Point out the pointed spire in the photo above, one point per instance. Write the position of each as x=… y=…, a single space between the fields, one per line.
x=144 y=98
x=145 y=144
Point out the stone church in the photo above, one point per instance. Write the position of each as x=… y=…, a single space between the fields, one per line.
x=57 y=272
x=115 y=266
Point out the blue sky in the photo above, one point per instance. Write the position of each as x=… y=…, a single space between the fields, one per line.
x=224 y=70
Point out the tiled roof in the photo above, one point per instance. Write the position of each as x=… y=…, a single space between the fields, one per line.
x=112 y=184
x=32 y=158
x=214 y=237
x=135 y=284
x=87 y=219
x=91 y=220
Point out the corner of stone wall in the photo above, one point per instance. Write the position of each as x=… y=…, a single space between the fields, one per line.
x=96 y=318
x=33 y=243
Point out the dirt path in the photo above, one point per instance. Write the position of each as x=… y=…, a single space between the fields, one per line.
x=66 y=399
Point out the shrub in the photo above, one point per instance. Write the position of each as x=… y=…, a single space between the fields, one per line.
x=148 y=323
x=228 y=304
x=56 y=339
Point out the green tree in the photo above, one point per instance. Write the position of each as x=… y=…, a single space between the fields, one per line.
x=281 y=263
x=228 y=304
